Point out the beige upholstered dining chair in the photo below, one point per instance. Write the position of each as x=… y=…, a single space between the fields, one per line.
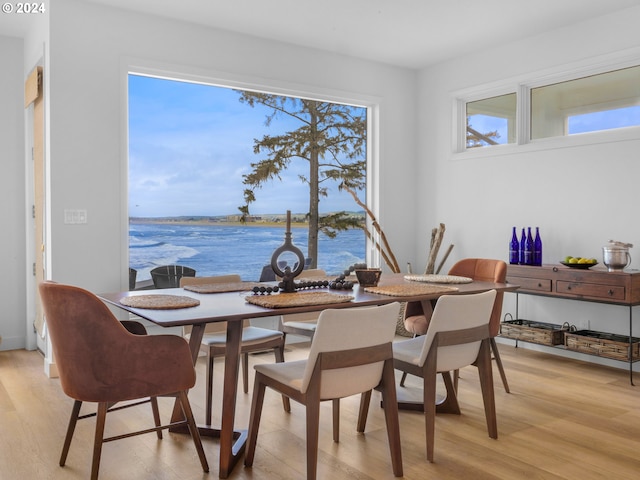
x=303 y=324
x=100 y=361
x=479 y=269
x=458 y=335
x=342 y=362
x=254 y=339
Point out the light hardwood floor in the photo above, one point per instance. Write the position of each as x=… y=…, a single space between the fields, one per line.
x=563 y=420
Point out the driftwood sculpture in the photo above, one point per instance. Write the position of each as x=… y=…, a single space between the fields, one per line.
x=437 y=235
x=384 y=248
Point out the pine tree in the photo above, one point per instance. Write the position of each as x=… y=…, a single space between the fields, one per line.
x=331 y=137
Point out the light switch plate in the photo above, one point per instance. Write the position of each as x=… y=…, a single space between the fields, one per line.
x=75 y=216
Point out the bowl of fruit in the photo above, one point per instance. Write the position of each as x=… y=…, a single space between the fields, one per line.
x=579 y=262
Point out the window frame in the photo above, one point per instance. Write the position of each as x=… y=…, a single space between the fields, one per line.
x=523 y=86
x=142 y=67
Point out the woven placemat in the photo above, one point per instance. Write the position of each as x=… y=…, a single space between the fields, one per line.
x=433 y=278
x=298 y=299
x=410 y=289
x=222 y=287
x=160 y=302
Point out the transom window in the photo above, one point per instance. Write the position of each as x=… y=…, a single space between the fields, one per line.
x=491 y=121
x=589 y=104
x=489 y=117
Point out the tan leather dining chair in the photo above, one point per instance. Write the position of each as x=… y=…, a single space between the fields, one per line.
x=100 y=361
x=458 y=335
x=479 y=269
x=342 y=362
x=254 y=339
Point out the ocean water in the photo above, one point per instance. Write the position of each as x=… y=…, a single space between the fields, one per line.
x=226 y=249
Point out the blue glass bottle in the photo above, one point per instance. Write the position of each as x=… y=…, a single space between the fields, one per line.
x=514 y=248
x=523 y=241
x=537 y=249
x=528 y=248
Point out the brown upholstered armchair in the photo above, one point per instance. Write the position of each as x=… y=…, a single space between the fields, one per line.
x=100 y=361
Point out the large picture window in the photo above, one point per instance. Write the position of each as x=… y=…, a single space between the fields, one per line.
x=213 y=171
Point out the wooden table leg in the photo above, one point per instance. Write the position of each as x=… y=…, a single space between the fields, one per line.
x=232 y=442
x=231 y=451
x=411 y=398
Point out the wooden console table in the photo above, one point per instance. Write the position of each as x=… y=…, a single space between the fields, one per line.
x=593 y=285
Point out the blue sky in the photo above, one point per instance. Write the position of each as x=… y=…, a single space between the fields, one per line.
x=190 y=144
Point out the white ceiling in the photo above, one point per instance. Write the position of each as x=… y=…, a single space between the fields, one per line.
x=408 y=33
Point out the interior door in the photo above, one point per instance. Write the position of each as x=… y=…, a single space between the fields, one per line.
x=34 y=96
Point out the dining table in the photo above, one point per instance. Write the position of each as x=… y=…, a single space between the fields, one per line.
x=234 y=305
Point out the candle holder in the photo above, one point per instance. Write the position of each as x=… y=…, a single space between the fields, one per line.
x=287 y=275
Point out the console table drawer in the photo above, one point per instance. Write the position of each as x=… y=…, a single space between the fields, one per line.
x=533 y=284
x=611 y=292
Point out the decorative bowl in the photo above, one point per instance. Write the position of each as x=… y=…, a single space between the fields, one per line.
x=582 y=266
x=368 y=277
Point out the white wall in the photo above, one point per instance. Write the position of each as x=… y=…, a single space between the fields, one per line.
x=89 y=46
x=579 y=196
x=12 y=193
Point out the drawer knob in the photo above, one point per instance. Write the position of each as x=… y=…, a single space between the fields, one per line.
x=610 y=292
x=555 y=269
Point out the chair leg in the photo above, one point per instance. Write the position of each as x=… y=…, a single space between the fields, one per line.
x=336 y=419
x=456 y=377
x=73 y=419
x=156 y=415
x=429 y=392
x=209 y=398
x=390 y=405
x=365 y=401
x=496 y=354
x=404 y=374
x=101 y=417
x=486 y=385
x=193 y=428
x=279 y=354
x=254 y=419
x=313 y=428
x=245 y=372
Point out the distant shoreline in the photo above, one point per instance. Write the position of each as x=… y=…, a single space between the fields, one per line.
x=153 y=221
x=275 y=220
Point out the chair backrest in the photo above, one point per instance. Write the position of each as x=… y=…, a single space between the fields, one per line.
x=133 y=273
x=168 y=276
x=94 y=351
x=231 y=278
x=458 y=312
x=488 y=270
x=349 y=329
x=311 y=273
